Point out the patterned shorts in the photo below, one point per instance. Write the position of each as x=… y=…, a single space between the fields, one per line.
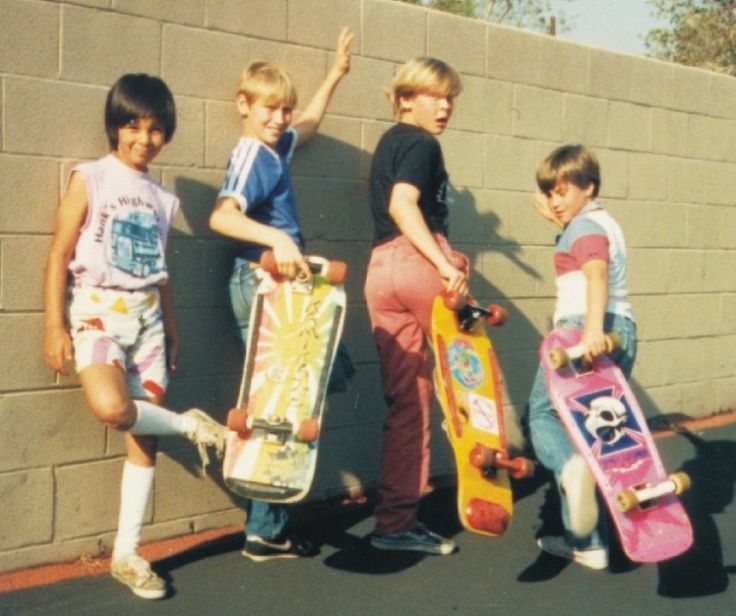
x=123 y=329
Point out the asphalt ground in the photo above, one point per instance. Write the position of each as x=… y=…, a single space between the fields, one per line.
x=506 y=575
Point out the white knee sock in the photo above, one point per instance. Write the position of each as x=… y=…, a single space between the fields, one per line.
x=578 y=487
x=156 y=420
x=136 y=487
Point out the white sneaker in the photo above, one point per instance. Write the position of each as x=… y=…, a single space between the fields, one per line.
x=578 y=488
x=136 y=573
x=593 y=558
x=207 y=433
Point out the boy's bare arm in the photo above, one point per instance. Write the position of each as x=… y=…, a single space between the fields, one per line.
x=227 y=219
x=171 y=332
x=69 y=220
x=404 y=210
x=596 y=274
x=311 y=117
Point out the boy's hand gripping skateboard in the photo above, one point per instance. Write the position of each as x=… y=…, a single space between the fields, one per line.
x=468 y=387
x=606 y=425
x=294 y=331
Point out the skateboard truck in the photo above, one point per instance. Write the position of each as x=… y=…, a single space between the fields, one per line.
x=241 y=422
x=559 y=357
x=468 y=312
x=489 y=460
x=644 y=496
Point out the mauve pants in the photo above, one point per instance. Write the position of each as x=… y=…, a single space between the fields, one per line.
x=400 y=287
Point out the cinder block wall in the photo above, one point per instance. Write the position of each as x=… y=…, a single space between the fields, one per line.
x=666 y=136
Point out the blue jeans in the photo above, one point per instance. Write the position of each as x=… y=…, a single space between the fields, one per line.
x=268 y=520
x=551 y=443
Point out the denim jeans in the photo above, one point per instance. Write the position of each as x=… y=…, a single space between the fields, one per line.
x=551 y=443
x=268 y=520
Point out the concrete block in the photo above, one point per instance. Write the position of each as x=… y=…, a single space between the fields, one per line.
x=28 y=508
x=463 y=154
x=197 y=189
x=683 y=186
x=22 y=265
x=29 y=194
x=224 y=129
x=537 y=113
x=181 y=493
x=513 y=55
x=21 y=363
x=647 y=270
x=203 y=63
x=500 y=268
x=726 y=390
x=190 y=12
x=651 y=82
x=73 y=119
x=363 y=95
x=708 y=138
x=187 y=148
x=585 y=120
x=701 y=222
x=49 y=428
x=669 y=132
x=699 y=399
x=371 y=133
x=334 y=210
x=459 y=41
x=718 y=269
x=610 y=74
x=484 y=106
x=82 y=511
x=510 y=163
x=648 y=177
x=691 y=89
x=719 y=357
x=726 y=227
x=614 y=173
x=334 y=153
x=29 y=39
x=393 y=31
x=262 y=18
x=661 y=400
x=564 y=65
x=721 y=94
x=317 y=23
x=88 y=56
x=629 y=126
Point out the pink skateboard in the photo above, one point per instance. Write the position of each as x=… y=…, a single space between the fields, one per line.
x=606 y=425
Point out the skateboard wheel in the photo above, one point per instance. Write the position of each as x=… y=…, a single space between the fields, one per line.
x=481 y=456
x=497 y=315
x=452 y=300
x=237 y=420
x=558 y=358
x=681 y=481
x=626 y=500
x=521 y=467
x=336 y=272
x=308 y=431
x=487 y=517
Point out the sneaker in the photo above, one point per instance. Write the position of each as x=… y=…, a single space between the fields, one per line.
x=578 y=488
x=419 y=539
x=207 y=433
x=136 y=573
x=260 y=550
x=593 y=558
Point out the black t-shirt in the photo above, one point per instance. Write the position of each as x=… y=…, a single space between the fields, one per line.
x=408 y=154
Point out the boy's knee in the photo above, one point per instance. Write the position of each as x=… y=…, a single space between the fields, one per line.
x=115 y=412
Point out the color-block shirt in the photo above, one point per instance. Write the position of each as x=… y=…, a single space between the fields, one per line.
x=592 y=234
x=122 y=243
x=258 y=179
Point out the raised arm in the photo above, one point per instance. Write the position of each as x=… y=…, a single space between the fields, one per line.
x=310 y=119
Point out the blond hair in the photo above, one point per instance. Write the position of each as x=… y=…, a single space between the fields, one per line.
x=424 y=76
x=266 y=82
x=573 y=163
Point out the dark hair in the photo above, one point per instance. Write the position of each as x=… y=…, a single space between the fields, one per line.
x=136 y=96
x=571 y=163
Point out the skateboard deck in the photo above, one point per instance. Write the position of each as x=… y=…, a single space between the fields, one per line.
x=467 y=385
x=295 y=328
x=605 y=423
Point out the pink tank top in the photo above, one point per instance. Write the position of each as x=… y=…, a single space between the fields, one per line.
x=122 y=243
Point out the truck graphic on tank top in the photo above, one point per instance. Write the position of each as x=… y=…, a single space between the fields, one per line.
x=135 y=245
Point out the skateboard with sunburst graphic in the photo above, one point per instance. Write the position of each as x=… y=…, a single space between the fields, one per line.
x=605 y=423
x=468 y=387
x=295 y=328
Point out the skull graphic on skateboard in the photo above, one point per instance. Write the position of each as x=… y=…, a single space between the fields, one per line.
x=295 y=328
x=467 y=384
x=606 y=425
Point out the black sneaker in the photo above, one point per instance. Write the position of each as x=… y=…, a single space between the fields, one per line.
x=419 y=539
x=260 y=550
